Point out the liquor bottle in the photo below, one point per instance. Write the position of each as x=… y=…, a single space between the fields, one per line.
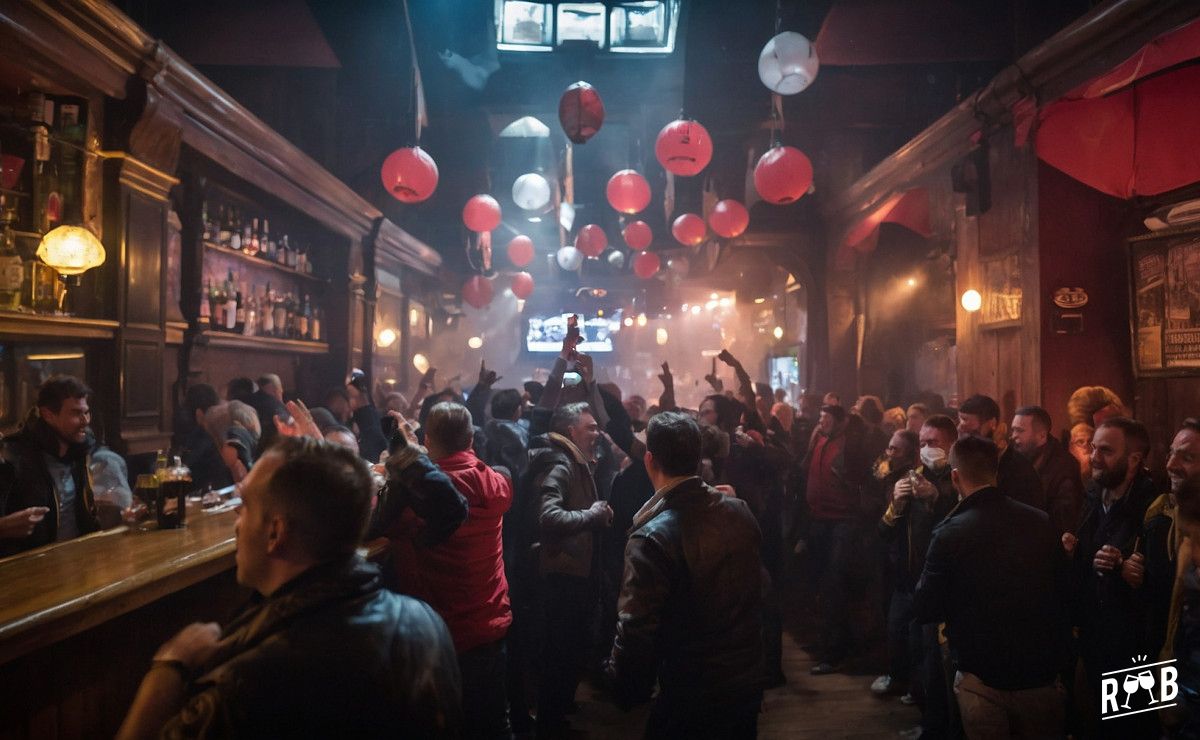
x=216 y=297
x=291 y=316
x=250 y=328
x=235 y=230
x=12 y=267
x=205 y=318
x=70 y=154
x=315 y=327
x=205 y=224
x=301 y=258
x=302 y=318
x=266 y=314
x=249 y=238
x=230 y=303
x=264 y=240
x=239 y=318
x=225 y=230
x=280 y=318
x=291 y=257
x=284 y=248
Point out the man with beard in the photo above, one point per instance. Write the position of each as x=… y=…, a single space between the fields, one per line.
x=1163 y=539
x=45 y=495
x=979 y=416
x=1107 y=561
x=1030 y=434
x=907 y=527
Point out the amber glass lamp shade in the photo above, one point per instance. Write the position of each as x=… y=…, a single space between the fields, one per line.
x=71 y=250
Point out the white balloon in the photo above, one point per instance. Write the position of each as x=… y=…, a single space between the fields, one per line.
x=788 y=63
x=616 y=259
x=569 y=258
x=531 y=191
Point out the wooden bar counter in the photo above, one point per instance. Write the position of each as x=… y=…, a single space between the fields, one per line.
x=80 y=620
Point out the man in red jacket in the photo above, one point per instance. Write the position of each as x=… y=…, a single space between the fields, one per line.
x=462 y=578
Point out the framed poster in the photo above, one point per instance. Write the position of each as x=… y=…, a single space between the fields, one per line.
x=1002 y=293
x=1165 y=303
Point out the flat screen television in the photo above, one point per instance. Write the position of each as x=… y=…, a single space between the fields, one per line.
x=545 y=333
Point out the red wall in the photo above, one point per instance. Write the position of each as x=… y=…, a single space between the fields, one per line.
x=1081 y=233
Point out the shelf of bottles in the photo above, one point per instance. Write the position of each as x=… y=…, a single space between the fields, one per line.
x=257 y=284
x=42 y=159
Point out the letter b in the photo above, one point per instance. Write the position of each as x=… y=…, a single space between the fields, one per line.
x=1167 y=678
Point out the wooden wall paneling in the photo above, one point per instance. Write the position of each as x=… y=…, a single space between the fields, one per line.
x=842 y=299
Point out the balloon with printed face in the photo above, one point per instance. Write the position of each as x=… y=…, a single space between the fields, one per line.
x=616 y=260
x=478 y=291
x=522 y=285
x=729 y=218
x=481 y=213
x=409 y=175
x=591 y=240
x=531 y=192
x=689 y=230
x=581 y=112
x=683 y=147
x=628 y=192
x=788 y=64
x=783 y=175
x=646 y=265
x=638 y=235
x=520 y=250
x=569 y=258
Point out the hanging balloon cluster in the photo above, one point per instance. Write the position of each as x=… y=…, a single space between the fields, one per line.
x=787 y=65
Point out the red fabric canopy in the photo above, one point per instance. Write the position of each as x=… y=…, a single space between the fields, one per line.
x=909 y=209
x=1132 y=130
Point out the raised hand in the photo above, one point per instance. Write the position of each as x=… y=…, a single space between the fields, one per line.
x=727 y=358
x=427 y=377
x=299 y=423
x=487 y=378
x=667 y=379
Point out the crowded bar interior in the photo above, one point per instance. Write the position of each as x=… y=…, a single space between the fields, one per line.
x=661 y=368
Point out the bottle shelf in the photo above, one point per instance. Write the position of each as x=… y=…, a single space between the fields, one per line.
x=21 y=324
x=229 y=340
x=264 y=264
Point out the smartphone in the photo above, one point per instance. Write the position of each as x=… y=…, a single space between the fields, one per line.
x=573 y=328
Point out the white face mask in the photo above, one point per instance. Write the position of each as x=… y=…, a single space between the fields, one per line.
x=933 y=457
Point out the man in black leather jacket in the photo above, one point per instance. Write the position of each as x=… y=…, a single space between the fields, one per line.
x=45 y=491
x=326 y=651
x=691 y=603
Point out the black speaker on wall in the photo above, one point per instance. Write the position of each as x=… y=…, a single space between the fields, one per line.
x=971 y=175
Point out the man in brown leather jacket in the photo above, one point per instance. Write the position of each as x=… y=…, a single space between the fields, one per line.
x=690 y=613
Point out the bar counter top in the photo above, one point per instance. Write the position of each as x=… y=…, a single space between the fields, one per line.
x=60 y=590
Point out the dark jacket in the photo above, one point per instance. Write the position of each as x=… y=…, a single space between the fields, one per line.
x=25 y=481
x=565 y=527
x=995 y=574
x=1187 y=652
x=1108 y=611
x=200 y=454
x=1016 y=478
x=1160 y=546
x=1061 y=484
x=330 y=654
x=907 y=534
x=417 y=487
x=690 y=608
x=371 y=442
x=267 y=407
x=507 y=446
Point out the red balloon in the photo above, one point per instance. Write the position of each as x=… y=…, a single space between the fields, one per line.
x=520 y=250
x=591 y=240
x=628 y=192
x=522 y=285
x=581 y=112
x=481 y=213
x=729 y=218
x=638 y=235
x=646 y=265
x=783 y=175
x=689 y=230
x=410 y=175
x=478 y=291
x=683 y=147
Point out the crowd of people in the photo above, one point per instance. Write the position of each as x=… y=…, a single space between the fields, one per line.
x=557 y=532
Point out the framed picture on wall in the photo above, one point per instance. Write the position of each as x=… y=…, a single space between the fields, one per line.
x=1002 y=294
x=1165 y=303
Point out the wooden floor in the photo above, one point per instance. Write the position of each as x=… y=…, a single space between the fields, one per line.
x=833 y=706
